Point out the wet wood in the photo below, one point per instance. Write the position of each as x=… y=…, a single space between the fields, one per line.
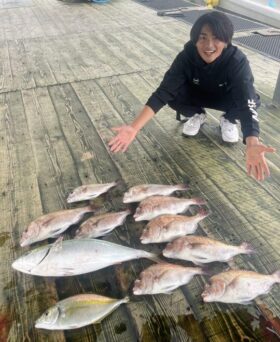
x=71 y=71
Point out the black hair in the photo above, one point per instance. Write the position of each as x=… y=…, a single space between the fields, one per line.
x=218 y=22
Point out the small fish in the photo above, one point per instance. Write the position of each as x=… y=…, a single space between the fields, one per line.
x=52 y=224
x=78 y=311
x=155 y=206
x=101 y=225
x=167 y=228
x=239 y=286
x=89 y=191
x=164 y=278
x=77 y=256
x=140 y=192
x=200 y=249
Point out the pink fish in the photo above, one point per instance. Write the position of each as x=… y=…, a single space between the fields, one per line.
x=201 y=249
x=52 y=224
x=155 y=206
x=164 y=278
x=239 y=286
x=167 y=228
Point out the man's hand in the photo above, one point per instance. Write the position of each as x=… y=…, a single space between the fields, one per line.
x=126 y=134
x=255 y=158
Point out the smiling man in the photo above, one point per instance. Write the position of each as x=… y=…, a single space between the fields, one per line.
x=209 y=73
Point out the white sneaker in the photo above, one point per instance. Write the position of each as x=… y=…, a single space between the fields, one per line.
x=192 y=126
x=229 y=130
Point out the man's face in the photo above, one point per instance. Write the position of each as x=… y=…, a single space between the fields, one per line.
x=208 y=46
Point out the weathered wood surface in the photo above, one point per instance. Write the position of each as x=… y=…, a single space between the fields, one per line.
x=69 y=72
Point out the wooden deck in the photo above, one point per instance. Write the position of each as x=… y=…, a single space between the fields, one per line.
x=69 y=72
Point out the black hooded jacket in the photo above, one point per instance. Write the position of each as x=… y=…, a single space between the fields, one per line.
x=229 y=75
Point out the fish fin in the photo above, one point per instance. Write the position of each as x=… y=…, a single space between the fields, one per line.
x=57 y=245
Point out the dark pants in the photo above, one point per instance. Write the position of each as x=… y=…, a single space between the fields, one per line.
x=188 y=102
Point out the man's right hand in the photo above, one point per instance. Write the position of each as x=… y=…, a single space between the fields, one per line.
x=120 y=143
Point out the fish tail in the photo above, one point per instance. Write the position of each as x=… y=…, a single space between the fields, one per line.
x=183 y=186
x=125 y=299
x=247 y=248
x=276 y=275
x=93 y=208
x=199 y=201
x=153 y=257
x=202 y=212
x=119 y=182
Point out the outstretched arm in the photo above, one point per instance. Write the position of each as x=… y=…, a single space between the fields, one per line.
x=127 y=133
x=255 y=158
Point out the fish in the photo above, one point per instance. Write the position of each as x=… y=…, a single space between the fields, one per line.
x=89 y=191
x=77 y=256
x=239 y=286
x=101 y=225
x=155 y=206
x=200 y=249
x=166 y=228
x=78 y=311
x=140 y=192
x=52 y=224
x=164 y=278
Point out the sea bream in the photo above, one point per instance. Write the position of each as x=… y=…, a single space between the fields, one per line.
x=52 y=224
x=140 y=192
x=239 y=286
x=164 y=278
x=200 y=249
x=78 y=311
x=167 y=228
x=101 y=225
x=78 y=256
x=89 y=191
x=154 y=206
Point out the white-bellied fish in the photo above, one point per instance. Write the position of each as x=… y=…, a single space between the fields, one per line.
x=89 y=191
x=78 y=311
x=167 y=228
x=154 y=206
x=101 y=225
x=78 y=256
x=239 y=286
x=52 y=224
x=164 y=278
x=200 y=249
x=140 y=192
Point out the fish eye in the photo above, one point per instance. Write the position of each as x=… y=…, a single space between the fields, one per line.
x=47 y=313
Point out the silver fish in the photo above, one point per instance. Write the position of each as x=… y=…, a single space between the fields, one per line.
x=78 y=311
x=164 y=278
x=167 y=228
x=78 y=256
x=154 y=206
x=239 y=286
x=200 y=249
x=101 y=225
x=89 y=191
x=140 y=192
x=52 y=224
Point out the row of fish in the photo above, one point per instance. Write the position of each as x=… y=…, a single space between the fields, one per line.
x=84 y=309
x=83 y=255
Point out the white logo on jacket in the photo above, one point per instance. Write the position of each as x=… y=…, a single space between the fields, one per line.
x=196 y=81
x=252 y=106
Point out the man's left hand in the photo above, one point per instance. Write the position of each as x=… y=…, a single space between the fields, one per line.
x=255 y=158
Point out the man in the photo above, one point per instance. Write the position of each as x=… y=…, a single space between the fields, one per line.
x=210 y=72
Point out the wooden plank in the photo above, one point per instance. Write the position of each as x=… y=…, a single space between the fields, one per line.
x=21 y=77
x=22 y=297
